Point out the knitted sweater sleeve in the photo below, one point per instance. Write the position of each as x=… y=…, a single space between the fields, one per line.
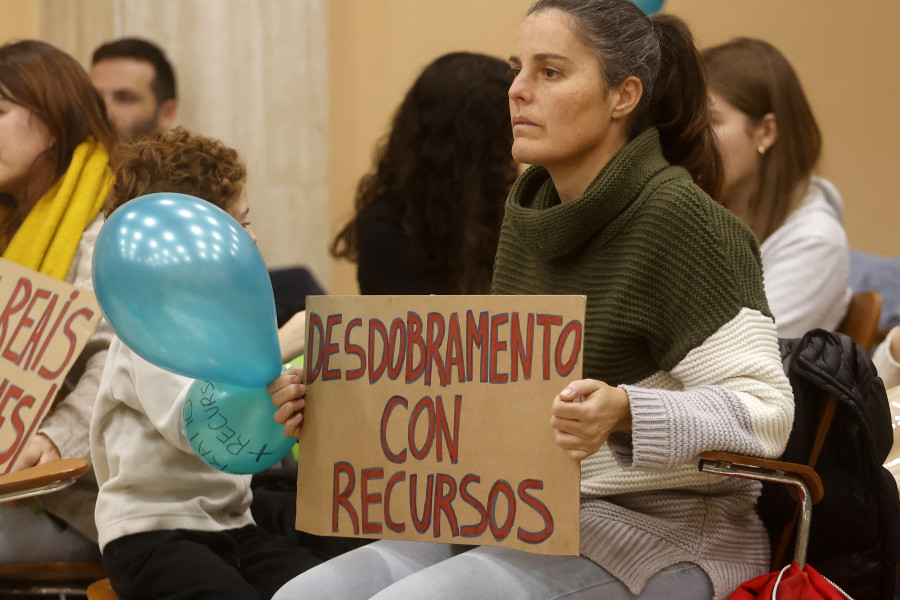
x=68 y=424
x=721 y=385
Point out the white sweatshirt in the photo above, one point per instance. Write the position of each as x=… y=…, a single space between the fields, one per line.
x=806 y=264
x=150 y=479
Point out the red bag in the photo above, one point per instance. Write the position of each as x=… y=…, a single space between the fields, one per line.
x=791 y=583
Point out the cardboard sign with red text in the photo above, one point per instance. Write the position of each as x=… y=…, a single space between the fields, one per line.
x=44 y=324
x=428 y=418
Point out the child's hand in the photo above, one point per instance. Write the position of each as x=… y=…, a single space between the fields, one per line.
x=289 y=397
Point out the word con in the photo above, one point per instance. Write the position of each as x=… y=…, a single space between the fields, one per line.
x=446 y=345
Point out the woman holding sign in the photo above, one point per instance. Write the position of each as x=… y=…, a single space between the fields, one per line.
x=611 y=107
x=54 y=140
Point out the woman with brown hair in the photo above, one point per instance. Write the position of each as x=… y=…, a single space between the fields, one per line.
x=770 y=143
x=54 y=178
x=610 y=108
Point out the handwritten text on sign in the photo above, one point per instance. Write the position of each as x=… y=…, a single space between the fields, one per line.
x=428 y=418
x=44 y=324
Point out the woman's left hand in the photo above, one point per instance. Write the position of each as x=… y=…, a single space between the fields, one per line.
x=289 y=397
x=585 y=413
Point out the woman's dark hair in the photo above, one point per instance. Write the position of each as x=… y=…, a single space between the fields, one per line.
x=447 y=165
x=176 y=161
x=754 y=77
x=659 y=51
x=57 y=90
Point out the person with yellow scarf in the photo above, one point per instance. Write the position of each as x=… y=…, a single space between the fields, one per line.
x=54 y=177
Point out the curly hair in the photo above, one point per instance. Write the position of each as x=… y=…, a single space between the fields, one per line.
x=447 y=165
x=177 y=161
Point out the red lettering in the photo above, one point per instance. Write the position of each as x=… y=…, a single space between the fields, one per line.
x=49 y=337
x=388 y=408
x=497 y=346
x=375 y=372
x=454 y=352
x=535 y=537
x=414 y=329
x=565 y=368
x=422 y=523
x=443 y=428
x=340 y=499
x=73 y=341
x=13 y=306
x=398 y=331
x=435 y=337
x=547 y=321
x=522 y=352
x=443 y=504
x=501 y=531
x=355 y=350
x=330 y=348
x=479 y=526
x=367 y=498
x=392 y=525
x=425 y=404
x=314 y=350
x=476 y=336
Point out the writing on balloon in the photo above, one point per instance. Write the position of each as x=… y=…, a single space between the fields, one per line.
x=203 y=415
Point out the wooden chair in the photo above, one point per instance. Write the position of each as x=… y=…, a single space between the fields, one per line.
x=60 y=579
x=861 y=325
x=861 y=320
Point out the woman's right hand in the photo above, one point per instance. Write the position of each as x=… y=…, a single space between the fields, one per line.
x=289 y=397
x=585 y=413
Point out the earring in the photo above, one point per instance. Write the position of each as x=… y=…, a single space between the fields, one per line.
x=762 y=150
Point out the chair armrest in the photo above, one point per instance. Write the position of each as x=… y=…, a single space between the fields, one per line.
x=804 y=479
x=759 y=468
x=41 y=479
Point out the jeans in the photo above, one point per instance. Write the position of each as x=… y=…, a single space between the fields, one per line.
x=391 y=569
x=26 y=537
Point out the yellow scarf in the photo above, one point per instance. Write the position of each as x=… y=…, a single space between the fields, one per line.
x=48 y=237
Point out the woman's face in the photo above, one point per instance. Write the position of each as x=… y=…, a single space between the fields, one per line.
x=558 y=102
x=23 y=136
x=739 y=143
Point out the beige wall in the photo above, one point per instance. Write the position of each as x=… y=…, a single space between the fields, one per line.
x=843 y=51
x=20 y=20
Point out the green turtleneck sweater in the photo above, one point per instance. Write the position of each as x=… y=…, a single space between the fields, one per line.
x=677 y=316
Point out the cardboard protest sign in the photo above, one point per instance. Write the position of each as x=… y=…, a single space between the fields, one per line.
x=427 y=418
x=44 y=324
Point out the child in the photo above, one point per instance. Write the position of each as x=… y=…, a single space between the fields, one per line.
x=170 y=526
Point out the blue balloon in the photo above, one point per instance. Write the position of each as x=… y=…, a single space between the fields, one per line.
x=232 y=428
x=184 y=286
x=649 y=6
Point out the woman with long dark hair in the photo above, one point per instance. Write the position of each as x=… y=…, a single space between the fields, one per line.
x=427 y=217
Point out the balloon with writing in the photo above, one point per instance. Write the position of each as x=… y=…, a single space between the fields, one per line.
x=649 y=7
x=227 y=434
x=184 y=286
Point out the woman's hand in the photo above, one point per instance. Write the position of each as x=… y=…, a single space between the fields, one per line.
x=585 y=413
x=292 y=337
x=39 y=449
x=289 y=397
